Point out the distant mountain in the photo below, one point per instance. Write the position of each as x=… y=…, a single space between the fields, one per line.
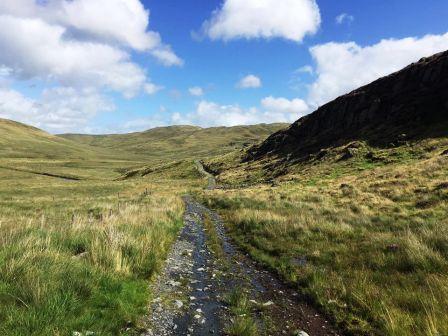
x=180 y=142
x=409 y=104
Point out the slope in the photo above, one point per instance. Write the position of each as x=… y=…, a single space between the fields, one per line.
x=350 y=204
x=22 y=141
x=180 y=142
x=388 y=116
x=409 y=104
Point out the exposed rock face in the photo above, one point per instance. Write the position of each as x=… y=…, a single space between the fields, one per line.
x=408 y=104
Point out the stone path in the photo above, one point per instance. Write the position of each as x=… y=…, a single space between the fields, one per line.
x=189 y=295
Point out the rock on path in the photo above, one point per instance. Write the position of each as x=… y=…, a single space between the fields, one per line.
x=189 y=293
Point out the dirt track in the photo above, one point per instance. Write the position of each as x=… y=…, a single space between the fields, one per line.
x=190 y=293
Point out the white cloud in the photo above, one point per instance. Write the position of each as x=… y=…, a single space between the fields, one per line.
x=166 y=56
x=58 y=110
x=116 y=21
x=288 y=19
x=196 y=91
x=151 y=88
x=296 y=107
x=80 y=43
x=39 y=50
x=344 y=17
x=342 y=67
x=308 y=69
x=209 y=114
x=83 y=45
x=249 y=82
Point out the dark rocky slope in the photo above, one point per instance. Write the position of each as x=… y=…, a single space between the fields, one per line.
x=407 y=105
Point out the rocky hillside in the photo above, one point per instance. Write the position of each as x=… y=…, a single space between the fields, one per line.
x=407 y=105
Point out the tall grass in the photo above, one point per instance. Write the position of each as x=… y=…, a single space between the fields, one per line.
x=368 y=246
x=79 y=257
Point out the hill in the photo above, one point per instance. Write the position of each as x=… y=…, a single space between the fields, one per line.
x=349 y=204
x=22 y=141
x=180 y=142
x=406 y=105
x=392 y=113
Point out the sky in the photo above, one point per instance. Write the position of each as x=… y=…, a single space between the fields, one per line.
x=118 y=66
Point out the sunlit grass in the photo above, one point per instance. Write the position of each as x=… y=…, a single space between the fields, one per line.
x=370 y=246
x=242 y=323
x=79 y=255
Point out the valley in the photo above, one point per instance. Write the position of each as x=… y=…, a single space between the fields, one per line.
x=307 y=229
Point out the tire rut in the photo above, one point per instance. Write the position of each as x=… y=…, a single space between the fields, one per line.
x=189 y=295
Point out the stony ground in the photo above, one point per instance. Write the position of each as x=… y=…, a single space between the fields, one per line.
x=190 y=294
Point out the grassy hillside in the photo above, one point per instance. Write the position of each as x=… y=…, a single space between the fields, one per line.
x=21 y=141
x=364 y=236
x=180 y=142
x=77 y=247
x=350 y=203
x=34 y=152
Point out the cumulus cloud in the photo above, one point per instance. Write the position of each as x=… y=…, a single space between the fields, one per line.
x=249 y=82
x=151 y=88
x=61 y=109
x=209 y=114
x=124 y=22
x=80 y=42
x=344 y=18
x=196 y=91
x=342 y=67
x=296 y=107
x=288 y=19
x=39 y=50
x=82 y=45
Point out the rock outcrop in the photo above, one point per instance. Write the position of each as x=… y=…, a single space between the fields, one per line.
x=409 y=104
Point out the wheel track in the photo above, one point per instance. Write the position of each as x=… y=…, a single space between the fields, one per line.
x=194 y=276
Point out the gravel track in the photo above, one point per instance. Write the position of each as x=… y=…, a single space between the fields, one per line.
x=189 y=295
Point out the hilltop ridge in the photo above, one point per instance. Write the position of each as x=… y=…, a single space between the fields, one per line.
x=180 y=142
x=409 y=104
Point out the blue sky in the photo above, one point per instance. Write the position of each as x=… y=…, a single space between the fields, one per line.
x=299 y=53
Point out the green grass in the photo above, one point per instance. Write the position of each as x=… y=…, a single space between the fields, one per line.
x=213 y=241
x=242 y=323
x=78 y=256
x=364 y=238
x=165 y=144
x=22 y=141
x=366 y=241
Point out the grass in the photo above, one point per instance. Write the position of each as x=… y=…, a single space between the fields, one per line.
x=364 y=237
x=78 y=246
x=242 y=322
x=80 y=240
x=165 y=144
x=77 y=256
x=213 y=241
x=366 y=240
x=22 y=141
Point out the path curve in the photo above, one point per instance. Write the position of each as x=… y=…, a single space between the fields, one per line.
x=211 y=180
